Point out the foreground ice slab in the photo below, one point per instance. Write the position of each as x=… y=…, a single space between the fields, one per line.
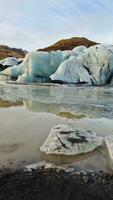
x=109 y=146
x=66 y=140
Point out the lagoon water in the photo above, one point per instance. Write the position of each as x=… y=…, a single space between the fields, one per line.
x=28 y=112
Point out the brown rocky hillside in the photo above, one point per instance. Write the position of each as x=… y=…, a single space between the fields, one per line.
x=69 y=44
x=6 y=51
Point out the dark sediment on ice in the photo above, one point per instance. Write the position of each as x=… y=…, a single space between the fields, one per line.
x=54 y=184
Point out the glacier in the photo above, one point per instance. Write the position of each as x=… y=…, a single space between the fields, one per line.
x=96 y=60
x=72 y=71
x=93 y=66
x=37 y=66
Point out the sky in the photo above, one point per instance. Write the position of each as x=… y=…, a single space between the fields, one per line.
x=34 y=24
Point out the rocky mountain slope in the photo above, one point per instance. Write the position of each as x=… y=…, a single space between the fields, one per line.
x=69 y=44
x=6 y=51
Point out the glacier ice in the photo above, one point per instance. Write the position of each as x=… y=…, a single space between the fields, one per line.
x=9 y=61
x=93 y=65
x=99 y=62
x=72 y=71
x=78 y=50
x=96 y=60
x=36 y=65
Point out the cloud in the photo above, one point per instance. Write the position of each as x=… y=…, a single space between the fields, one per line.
x=33 y=24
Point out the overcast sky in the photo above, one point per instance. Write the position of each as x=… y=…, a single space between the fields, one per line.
x=32 y=24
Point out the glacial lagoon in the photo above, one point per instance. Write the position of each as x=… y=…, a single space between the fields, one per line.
x=28 y=112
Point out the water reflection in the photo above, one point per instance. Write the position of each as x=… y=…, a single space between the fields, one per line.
x=37 y=109
x=7 y=103
x=93 y=160
x=90 y=101
x=61 y=111
x=9 y=148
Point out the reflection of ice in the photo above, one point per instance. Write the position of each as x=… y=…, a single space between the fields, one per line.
x=59 y=110
x=9 y=148
x=91 y=101
x=35 y=106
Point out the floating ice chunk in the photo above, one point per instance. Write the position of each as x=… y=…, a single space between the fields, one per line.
x=9 y=61
x=66 y=140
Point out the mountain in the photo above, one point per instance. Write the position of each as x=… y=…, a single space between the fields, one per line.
x=6 y=51
x=69 y=44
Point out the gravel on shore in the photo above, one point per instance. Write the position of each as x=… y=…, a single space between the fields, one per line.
x=55 y=184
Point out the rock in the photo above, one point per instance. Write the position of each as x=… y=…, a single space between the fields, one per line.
x=69 y=44
x=66 y=140
x=6 y=51
x=2 y=67
x=72 y=71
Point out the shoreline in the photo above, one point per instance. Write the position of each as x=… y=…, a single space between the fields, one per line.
x=55 y=184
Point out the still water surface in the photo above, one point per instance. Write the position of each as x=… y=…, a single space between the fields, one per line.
x=28 y=112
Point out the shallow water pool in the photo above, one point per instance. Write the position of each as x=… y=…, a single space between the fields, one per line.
x=28 y=112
